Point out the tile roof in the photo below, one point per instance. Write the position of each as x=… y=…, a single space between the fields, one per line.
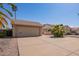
x=30 y=23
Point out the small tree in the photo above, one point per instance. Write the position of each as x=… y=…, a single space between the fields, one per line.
x=58 y=30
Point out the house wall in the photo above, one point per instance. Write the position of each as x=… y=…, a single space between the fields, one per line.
x=22 y=31
x=46 y=32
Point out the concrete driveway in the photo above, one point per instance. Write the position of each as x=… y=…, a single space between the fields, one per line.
x=46 y=46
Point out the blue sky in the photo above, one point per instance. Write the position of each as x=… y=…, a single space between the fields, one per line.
x=49 y=13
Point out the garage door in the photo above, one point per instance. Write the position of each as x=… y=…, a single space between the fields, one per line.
x=27 y=31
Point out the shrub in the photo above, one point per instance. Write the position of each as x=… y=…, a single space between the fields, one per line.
x=58 y=30
x=2 y=33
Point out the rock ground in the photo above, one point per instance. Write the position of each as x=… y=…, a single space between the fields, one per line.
x=8 y=47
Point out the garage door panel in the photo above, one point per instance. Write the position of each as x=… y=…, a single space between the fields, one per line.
x=27 y=31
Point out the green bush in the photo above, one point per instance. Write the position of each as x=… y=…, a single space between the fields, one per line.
x=2 y=34
x=58 y=30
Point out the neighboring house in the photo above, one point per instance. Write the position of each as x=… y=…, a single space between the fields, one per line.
x=75 y=30
x=71 y=30
x=67 y=29
x=26 y=28
x=46 y=29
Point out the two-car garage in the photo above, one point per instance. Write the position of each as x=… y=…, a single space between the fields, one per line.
x=26 y=29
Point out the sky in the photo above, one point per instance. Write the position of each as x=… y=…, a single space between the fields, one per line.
x=49 y=13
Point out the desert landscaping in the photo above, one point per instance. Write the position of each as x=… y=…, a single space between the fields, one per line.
x=39 y=29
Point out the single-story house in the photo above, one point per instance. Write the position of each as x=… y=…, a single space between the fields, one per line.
x=23 y=28
x=46 y=28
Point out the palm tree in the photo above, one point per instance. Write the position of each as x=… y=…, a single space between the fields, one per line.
x=2 y=14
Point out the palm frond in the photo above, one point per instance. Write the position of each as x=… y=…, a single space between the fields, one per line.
x=3 y=25
x=1 y=6
x=2 y=14
x=8 y=12
x=3 y=20
x=13 y=6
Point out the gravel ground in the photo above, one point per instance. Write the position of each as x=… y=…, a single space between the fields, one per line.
x=8 y=47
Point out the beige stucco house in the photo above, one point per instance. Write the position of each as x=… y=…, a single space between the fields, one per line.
x=26 y=28
x=46 y=28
